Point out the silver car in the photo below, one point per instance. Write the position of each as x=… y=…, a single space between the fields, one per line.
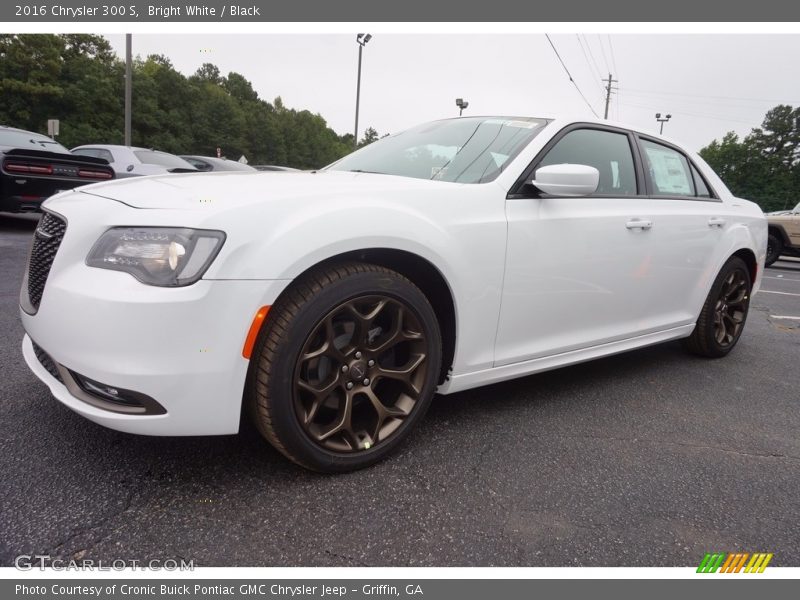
x=210 y=163
x=129 y=161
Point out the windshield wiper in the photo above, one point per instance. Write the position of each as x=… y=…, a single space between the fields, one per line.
x=363 y=171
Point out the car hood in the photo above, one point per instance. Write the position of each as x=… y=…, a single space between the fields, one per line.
x=204 y=191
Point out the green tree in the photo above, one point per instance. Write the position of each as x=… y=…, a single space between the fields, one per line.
x=370 y=135
x=30 y=79
x=764 y=166
x=77 y=79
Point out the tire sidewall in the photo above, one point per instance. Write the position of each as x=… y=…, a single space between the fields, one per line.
x=777 y=245
x=282 y=371
x=733 y=264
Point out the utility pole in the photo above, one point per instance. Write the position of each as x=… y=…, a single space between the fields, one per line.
x=608 y=83
x=128 y=88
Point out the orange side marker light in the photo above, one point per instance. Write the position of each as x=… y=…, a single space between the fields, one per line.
x=252 y=335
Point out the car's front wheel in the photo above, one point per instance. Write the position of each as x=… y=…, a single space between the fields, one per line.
x=345 y=366
x=724 y=313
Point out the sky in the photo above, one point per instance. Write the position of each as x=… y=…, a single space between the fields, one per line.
x=709 y=83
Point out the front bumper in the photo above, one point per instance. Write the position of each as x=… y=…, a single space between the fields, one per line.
x=182 y=347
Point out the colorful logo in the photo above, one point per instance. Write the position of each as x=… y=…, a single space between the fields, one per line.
x=734 y=562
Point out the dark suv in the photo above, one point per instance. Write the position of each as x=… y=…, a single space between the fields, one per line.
x=784 y=234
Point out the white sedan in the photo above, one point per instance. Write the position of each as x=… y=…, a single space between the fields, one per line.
x=332 y=305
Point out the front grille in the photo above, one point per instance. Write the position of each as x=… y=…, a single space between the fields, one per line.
x=46 y=241
x=46 y=361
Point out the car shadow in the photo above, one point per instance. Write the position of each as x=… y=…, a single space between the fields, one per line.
x=18 y=222
x=787 y=266
x=248 y=455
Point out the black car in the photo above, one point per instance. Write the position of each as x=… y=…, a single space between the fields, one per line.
x=33 y=167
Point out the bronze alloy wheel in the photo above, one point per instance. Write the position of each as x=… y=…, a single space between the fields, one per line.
x=360 y=373
x=731 y=308
x=345 y=366
x=724 y=312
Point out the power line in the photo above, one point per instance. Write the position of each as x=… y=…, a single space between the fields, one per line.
x=693 y=114
x=552 y=45
x=698 y=102
x=613 y=59
x=591 y=71
x=657 y=93
x=591 y=54
x=603 y=52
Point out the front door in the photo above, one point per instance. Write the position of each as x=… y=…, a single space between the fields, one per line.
x=578 y=270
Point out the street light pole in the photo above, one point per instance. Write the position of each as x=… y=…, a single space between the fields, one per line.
x=361 y=39
x=662 y=121
x=128 y=88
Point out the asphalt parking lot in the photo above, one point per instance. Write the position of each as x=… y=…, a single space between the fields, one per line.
x=650 y=458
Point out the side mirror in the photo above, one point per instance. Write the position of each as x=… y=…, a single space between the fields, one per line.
x=566 y=180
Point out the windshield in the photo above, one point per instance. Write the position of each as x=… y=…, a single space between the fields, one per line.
x=26 y=139
x=464 y=150
x=162 y=159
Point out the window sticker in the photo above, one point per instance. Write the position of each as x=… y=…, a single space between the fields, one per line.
x=668 y=173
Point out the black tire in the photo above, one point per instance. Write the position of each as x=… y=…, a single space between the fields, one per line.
x=708 y=339
x=774 y=248
x=281 y=356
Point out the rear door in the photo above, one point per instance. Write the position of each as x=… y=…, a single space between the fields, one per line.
x=690 y=222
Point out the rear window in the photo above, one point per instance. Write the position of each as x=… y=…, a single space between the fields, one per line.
x=95 y=153
x=232 y=165
x=31 y=141
x=162 y=159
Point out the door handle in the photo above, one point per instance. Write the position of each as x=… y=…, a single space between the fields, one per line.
x=639 y=224
x=716 y=222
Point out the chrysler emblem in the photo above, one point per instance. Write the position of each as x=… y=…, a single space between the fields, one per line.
x=40 y=233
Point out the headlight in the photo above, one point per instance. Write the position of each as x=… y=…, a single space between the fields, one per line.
x=163 y=256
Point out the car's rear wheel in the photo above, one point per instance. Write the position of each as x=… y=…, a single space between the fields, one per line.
x=724 y=313
x=774 y=248
x=345 y=366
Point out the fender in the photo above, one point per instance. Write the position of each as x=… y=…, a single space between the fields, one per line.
x=781 y=231
x=469 y=251
x=738 y=237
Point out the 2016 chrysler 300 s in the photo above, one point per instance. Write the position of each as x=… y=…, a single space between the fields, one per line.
x=333 y=304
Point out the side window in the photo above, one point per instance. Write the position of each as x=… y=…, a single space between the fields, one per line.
x=700 y=185
x=608 y=152
x=105 y=155
x=669 y=170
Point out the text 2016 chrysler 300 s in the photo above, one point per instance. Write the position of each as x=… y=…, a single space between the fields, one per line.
x=335 y=303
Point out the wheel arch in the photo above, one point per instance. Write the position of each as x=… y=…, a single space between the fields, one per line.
x=749 y=258
x=420 y=271
x=780 y=231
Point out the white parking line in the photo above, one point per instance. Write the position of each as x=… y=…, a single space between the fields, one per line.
x=784 y=317
x=781 y=293
x=780 y=278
